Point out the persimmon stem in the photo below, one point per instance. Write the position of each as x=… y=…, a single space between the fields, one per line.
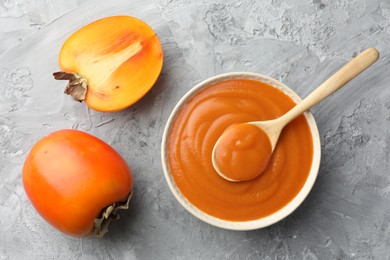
x=77 y=86
x=107 y=215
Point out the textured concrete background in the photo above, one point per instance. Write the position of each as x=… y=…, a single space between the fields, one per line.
x=299 y=42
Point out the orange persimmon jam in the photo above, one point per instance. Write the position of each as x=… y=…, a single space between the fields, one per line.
x=243 y=152
x=201 y=121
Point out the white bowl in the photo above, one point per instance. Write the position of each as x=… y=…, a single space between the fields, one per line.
x=253 y=224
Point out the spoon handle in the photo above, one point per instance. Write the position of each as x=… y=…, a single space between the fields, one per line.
x=335 y=82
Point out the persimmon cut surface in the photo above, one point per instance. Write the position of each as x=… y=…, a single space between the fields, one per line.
x=73 y=178
x=111 y=63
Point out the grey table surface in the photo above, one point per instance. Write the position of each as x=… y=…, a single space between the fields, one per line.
x=299 y=42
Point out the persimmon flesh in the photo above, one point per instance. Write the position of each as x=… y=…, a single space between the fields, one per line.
x=111 y=63
x=77 y=182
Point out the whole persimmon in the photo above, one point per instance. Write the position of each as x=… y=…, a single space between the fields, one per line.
x=77 y=182
x=111 y=63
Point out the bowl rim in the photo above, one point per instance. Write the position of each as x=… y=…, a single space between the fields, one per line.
x=252 y=224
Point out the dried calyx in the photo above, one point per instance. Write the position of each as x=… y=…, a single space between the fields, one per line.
x=77 y=86
x=107 y=215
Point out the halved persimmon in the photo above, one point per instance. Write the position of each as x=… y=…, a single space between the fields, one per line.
x=111 y=63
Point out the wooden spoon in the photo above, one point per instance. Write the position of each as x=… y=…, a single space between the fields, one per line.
x=273 y=128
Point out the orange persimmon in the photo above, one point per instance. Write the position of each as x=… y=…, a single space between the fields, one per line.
x=111 y=63
x=77 y=182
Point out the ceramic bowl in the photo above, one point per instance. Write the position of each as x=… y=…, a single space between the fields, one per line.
x=253 y=224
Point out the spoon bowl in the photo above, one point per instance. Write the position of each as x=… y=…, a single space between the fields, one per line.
x=273 y=128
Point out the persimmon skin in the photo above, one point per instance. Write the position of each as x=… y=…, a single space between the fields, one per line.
x=71 y=176
x=120 y=57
